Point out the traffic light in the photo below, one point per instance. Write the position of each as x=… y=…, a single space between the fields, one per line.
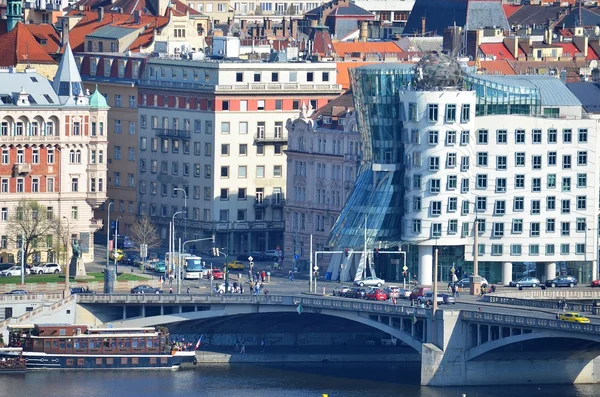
x=216 y=252
x=404 y=273
x=346 y=253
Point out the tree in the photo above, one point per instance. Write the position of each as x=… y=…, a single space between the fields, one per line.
x=29 y=225
x=144 y=232
x=60 y=241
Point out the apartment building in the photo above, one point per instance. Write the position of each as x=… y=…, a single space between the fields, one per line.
x=323 y=153
x=116 y=77
x=53 y=151
x=514 y=154
x=216 y=130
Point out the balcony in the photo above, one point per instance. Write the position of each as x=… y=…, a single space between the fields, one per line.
x=96 y=223
x=277 y=201
x=245 y=87
x=271 y=138
x=260 y=202
x=172 y=133
x=95 y=199
x=22 y=169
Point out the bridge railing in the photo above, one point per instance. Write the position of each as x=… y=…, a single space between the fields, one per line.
x=543 y=304
x=383 y=308
x=521 y=321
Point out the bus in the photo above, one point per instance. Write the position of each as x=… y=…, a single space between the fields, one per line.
x=193 y=269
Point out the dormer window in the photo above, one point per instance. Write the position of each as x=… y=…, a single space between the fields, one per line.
x=326 y=120
x=121 y=68
x=107 y=64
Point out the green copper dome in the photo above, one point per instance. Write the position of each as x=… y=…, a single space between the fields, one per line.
x=97 y=100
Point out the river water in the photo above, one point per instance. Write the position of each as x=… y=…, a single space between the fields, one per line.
x=248 y=380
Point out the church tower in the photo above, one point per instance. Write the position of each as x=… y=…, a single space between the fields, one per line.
x=14 y=13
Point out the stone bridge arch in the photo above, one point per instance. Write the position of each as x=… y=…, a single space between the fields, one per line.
x=477 y=351
x=237 y=310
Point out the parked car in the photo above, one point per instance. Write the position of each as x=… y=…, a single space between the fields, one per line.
x=360 y=293
x=370 y=281
x=466 y=283
x=441 y=298
x=81 y=290
x=160 y=267
x=6 y=266
x=257 y=256
x=525 y=282
x=405 y=293
x=573 y=318
x=236 y=265
x=393 y=291
x=377 y=294
x=17 y=292
x=595 y=283
x=48 y=268
x=340 y=291
x=216 y=273
x=562 y=281
x=13 y=271
x=145 y=289
x=418 y=292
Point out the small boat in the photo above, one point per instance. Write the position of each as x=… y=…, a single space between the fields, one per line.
x=63 y=346
x=14 y=362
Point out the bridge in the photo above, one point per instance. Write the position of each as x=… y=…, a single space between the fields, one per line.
x=460 y=346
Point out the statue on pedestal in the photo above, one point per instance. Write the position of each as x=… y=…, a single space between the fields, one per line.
x=76 y=267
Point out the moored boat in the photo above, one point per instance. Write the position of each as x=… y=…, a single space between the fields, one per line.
x=81 y=347
x=14 y=362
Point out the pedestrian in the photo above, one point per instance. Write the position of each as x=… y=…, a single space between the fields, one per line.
x=266 y=291
x=263 y=276
x=290 y=276
x=241 y=289
x=171 y=277
x=171 y=290
x=251 y=287
x=188 y=290
x=243 y=348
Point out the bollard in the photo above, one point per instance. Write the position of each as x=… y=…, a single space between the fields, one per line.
x=268 y=277
x=323 y=291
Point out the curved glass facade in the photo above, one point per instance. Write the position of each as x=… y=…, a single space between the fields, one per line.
x=379 y=190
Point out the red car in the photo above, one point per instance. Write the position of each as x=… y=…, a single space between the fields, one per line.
x=217 y=274
x=377 y=295
x=595 y=283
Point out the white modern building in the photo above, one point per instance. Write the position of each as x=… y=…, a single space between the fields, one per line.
x=323 y=157
x=517 y=154
x=217 y=130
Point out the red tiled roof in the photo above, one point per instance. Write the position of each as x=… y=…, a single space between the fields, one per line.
x=591 y=55
x=18 y=46
x=180 y=9
x=568 y=48
x=381 y=47
x=509 y=9
x=89 y=24
x=144 y=6
x=45 y=31
x=498 y=67
x=498 y=50
x=566 y=32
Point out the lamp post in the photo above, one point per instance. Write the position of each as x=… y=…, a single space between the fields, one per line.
x=116 y=244
x=173 y=245
x=109 y=277
x=185 y=210
x=67 y=289
x=475 y=279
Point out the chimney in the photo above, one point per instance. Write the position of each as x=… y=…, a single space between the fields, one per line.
x=581 y=42
x=136 y=17
x=512 y=43
x=100 y=14
x=284 y=27
x=423 y=30
x=364 y=31
x=294 y=30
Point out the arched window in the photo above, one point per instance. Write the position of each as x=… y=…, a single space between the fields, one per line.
x=78 y=156
x=72 y=156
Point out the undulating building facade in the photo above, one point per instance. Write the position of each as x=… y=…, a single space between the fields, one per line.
x=514 y=153
x=53 y=145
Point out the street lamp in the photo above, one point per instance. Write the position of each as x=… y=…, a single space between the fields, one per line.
x=108 y=234
x=116 y=244
x=185 y=206
x=67 y=289
x=173 y=245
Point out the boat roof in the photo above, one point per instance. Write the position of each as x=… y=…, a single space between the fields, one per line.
x=21 y=326
x=122 y=329
x=122 y=335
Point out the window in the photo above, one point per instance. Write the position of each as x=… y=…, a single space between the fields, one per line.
x=536 y=184
x=564 y=249
x=450 y=113
x=501 y=163
x=551 y=181
x=552 y=136
x=451 y=160
x=534 y=230
x=581 y=180
x=536 y=162
x=417 y=204
x=225 y=149
x=464 y=163
x=519 y=136
x=277 y=171
x=239 y=77
x=501 y=136
x=580 y=248
x=566 y=184
x=464 y=185
x=261 y=104
x=500 y=185
x=436 y=208
x=536 y=136
x=74 y=212
x=520 y=159
x=481 y=204
x=225 y=105
x=464 y=138
x=550 y=225
x=260 y=171
x=549 y=249
x=432 y=112
x=550 y=203
x=74 y=184
x=452 y=226
x=582 y=135
x=551 y=159
x=482 y=137
x=517 y=226
x=519 y=204
x=567 y=136
x=481 y=181
x=434 y=163
x=581 y=225
x=224 y=194
x=515 y=249
x=465 y=113
x=519 y=181
x=565 y=228
x=500 y=207
x=482 y=159
x=434 y=186
x=534 y=249
x=535 y=207
x=117 y=152
x=436 y=230
x=582 y=158
x=452 y=204
x=416 y=226
x=581 y=202
x=451 y=138
x=565 y=207
x=224 y=171
x=433 y=137
x=452 y=182
x=412 y=112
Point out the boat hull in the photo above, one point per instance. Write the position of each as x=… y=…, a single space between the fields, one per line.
x=70 y=361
